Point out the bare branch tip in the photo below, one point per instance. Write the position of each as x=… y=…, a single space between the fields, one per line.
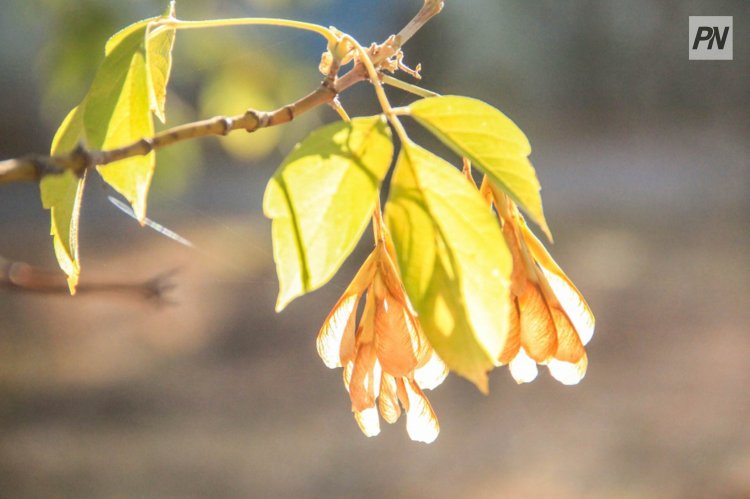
x=156 y=288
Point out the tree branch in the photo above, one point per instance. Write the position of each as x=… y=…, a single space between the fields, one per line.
x=20 y=276
x=34 y=167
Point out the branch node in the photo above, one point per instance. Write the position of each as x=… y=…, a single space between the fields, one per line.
x=41 y=167
x=289 y=112
x=226 y=125
x=81 y=159
x=329 y=84
x=261 y=120
x=146 y=144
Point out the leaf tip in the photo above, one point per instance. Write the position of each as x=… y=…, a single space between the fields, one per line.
x=159 y=113
x=282 y=301
x=482 y=384
x=73 y=282
x=480 y=380
x=139 y=210
x=545 y=228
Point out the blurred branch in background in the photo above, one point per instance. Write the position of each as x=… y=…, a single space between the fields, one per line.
x=20 y=276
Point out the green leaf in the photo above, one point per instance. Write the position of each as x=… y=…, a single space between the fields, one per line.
x=61 y=194
x=454 y=262
x=130 y=83
x=492 y=142
x=158 y=56
x=117 y=39
x=321 y=199
x=117 y=113
x=159 y=66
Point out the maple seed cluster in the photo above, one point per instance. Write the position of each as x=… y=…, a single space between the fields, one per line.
x=388 y=361
x=386 y=357
x=550 y=322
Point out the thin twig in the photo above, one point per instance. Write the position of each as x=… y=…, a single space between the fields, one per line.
x=430 y=9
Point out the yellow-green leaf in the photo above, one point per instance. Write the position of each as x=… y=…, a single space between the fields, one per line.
x=158 y=56
x=130 y=121
x=492 y=142
x=321 y=199
x=61 y=194
x=117 y=112
x=109 y=96
x=159 y=65
x=454 y=262
x=130 y=83
x=117 y=39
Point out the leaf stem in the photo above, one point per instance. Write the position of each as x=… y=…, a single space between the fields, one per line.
x=408 y=87
x=385 y=104
x=246 y=21
x=377 y=220
x=336 y=105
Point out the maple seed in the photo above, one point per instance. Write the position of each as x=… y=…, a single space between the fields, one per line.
x=550 y=321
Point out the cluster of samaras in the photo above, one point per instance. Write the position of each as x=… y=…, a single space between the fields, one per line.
x=388 y=361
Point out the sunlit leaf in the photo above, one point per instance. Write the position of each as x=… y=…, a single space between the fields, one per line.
x=321 y=199
x=130 y=83
x=454 y=262
x=116 y=111
x=117 y=39
x=159 y=65
x=61 y=194
x=491 y=141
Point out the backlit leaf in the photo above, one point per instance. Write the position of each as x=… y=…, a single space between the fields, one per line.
x=491 y=141
x=158 y=56
x=321 y=199
x=454 y=262
x=159 y=65
x=117 y=113
x=61 y=194
x=116 y=39
x=130 y=83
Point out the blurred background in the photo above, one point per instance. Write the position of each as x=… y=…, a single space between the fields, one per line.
x=644 y=161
